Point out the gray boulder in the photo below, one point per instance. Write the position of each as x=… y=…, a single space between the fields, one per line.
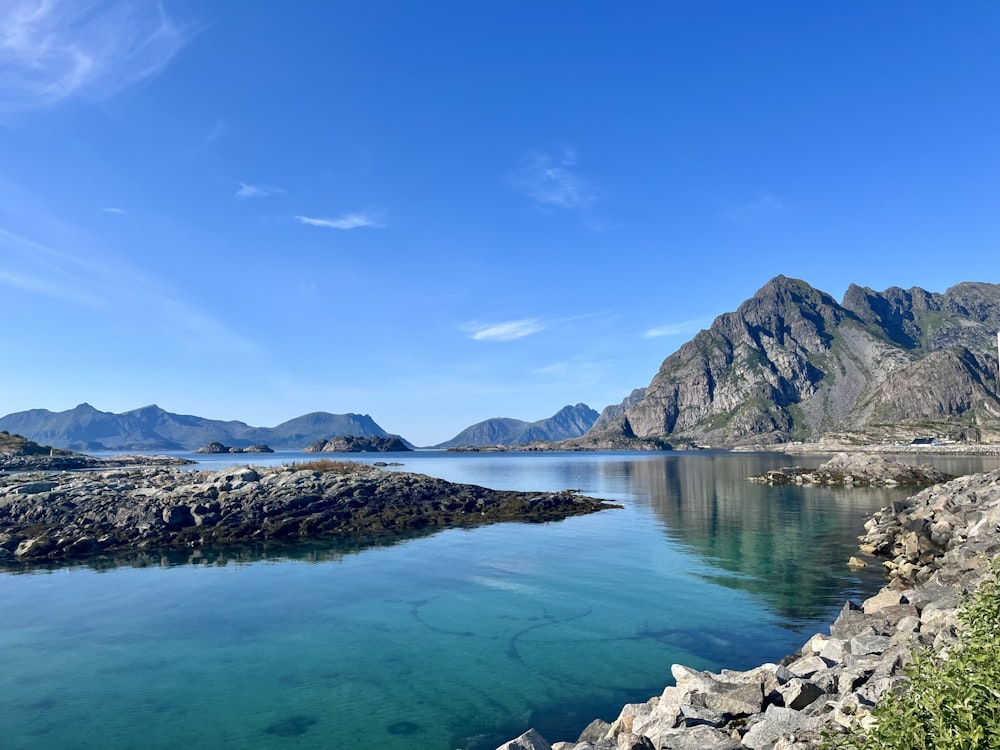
x=530 y=740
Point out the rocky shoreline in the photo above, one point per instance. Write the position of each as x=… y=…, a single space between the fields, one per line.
x=825 y=447
x=937 y=545
x=79 y=461
x=58 y=516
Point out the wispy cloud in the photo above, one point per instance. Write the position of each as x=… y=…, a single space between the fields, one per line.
x=88 y=281
x=761 y=206
x=553 y=180
x=347 y=221
x=507 y=331
x=51 y=50
x=576 y=372
x=678 y=329
x=113 y=210
x=216 y=133
x=257 y=191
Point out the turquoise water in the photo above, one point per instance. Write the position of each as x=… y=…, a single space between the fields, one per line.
x=458 y=640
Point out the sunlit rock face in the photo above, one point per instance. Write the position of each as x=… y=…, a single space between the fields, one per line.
x=791 y=363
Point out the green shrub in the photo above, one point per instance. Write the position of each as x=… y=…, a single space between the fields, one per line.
x=950 y=701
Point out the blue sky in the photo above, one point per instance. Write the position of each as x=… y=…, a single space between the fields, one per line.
x=440 y=211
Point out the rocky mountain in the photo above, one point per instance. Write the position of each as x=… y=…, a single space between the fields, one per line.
x=791 y=363
x=611 y=413
x=152 y=428
x=568 y=422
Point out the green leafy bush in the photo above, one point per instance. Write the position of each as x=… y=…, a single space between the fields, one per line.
x=951 y=700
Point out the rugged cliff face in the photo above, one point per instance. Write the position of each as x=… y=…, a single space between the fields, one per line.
x=792 y=363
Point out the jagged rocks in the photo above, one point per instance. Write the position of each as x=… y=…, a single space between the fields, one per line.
x=530 y=740
x=792 y=364
x=354 y=444
x=856 y=469
x=217 y=447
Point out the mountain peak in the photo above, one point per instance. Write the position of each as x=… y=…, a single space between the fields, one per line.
x=568 y=422
x=793 y=364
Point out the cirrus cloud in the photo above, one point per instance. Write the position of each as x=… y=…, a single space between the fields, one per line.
x=256 y=191
x=347 y=221
x=507 y=331
x=51 y=50
x=553 y=180
x=677 y=329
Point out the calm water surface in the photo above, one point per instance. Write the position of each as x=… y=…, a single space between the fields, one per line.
x=458 y=640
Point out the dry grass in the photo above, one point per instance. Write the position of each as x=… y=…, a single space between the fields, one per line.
x=329 y=466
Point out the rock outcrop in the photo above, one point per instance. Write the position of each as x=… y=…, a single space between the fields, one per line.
x=353 y=444
x=46 y=516
x=17 y=453
x=938 y=544
x=856 y=469
x=217 y=447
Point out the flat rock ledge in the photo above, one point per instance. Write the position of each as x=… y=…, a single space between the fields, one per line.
x=45 y=516
x=856 y=469
x=938 y=545
x=68 y=461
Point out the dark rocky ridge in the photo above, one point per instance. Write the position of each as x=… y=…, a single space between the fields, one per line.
x=216 y=447
x=352 y=444
x=56 y=516
x=937 y=546
x=793 y=364
x=17 y=453
x=568 y=422
x=612 y=412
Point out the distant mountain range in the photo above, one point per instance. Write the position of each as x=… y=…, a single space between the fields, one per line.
x=151 y=428
x=568 y=422
x=791 y=363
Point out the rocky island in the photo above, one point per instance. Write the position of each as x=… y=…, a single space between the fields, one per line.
x=217 y=447
x=19 y=454
x=856 y=469
x=54 y=516
x=356 y=444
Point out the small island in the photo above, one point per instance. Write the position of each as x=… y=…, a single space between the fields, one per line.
x=856 y=469
x=217 y=447
x=355 y=444
x=46 y=517
x=18 y=454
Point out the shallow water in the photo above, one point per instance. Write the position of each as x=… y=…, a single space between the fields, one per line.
x=458 y=640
